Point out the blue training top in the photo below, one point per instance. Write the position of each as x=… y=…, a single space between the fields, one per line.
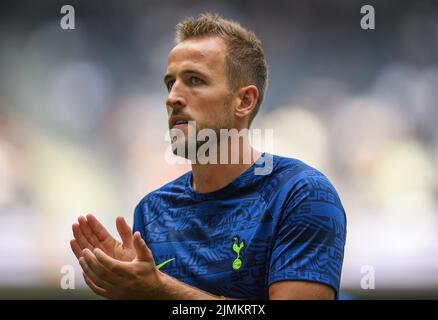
x=258 y=230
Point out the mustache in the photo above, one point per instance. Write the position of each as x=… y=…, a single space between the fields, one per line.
x=174 y=114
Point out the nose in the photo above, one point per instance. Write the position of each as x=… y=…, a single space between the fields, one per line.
x=175 y=99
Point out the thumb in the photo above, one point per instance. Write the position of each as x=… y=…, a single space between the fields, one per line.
x=125 y=232
x=143 y=252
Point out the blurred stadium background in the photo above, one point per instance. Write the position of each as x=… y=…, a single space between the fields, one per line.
x=82 y=124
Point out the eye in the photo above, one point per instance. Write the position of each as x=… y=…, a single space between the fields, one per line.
x=169 y=84
x=195 y=81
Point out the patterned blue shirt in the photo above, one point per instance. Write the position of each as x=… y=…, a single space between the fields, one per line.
x=258 y=230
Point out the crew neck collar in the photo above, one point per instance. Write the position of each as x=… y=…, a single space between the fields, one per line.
x=232 y=186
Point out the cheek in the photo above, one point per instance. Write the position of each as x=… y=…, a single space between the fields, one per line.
x=216 y=111
x=211 y=109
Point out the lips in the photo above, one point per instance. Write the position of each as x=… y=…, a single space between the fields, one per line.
x=178 y=121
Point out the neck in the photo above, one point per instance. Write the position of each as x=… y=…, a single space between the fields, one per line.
x=212 y=177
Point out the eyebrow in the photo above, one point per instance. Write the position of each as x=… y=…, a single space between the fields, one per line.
x=169 y=76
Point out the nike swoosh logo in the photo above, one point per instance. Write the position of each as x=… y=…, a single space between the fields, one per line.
x=164 y=263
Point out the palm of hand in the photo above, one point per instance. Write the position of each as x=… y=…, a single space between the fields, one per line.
x=119 y=251
x=90 y=234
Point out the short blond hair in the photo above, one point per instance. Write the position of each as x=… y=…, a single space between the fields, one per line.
x=245 y=60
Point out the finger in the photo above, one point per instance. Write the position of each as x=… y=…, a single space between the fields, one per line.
x=97 y=227
x=94 y=288
x=119 y=267
x=143 y=252
x=100 y=270
x=76 y=248
x=125 y=231
x=80 y=238
x=87 y=232
x=92 y=275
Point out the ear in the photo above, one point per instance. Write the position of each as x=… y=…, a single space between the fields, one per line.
x=248 y=97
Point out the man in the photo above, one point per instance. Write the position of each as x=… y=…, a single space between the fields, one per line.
x=221 y=230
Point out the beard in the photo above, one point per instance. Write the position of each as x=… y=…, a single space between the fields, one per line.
x=186 y=145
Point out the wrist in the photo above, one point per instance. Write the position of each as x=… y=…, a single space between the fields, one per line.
x=161 y=291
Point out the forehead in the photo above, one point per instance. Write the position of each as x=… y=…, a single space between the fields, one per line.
x=205 y=53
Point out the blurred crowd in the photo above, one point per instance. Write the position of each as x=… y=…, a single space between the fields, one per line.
x=83 y=123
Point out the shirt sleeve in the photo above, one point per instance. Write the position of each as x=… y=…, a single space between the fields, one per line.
x=139 y=220
x=310 y=239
